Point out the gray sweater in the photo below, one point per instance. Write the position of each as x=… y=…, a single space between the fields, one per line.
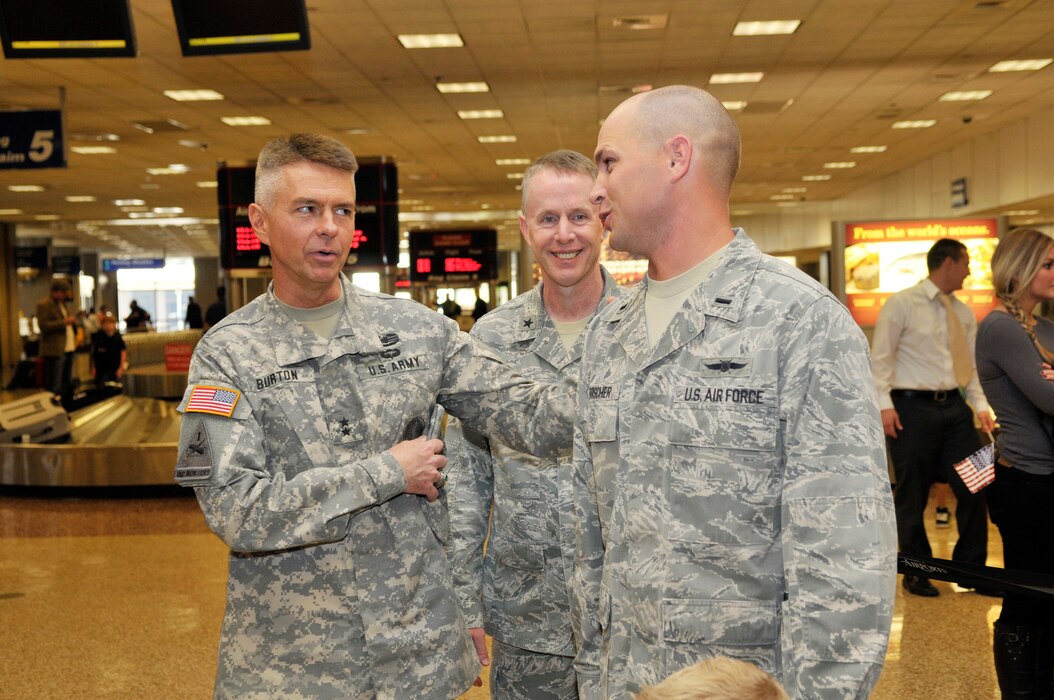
x=1008 y=367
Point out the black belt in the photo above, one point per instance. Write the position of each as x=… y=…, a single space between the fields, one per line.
x=942 y=395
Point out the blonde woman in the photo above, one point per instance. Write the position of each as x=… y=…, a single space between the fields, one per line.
x=1014 y=351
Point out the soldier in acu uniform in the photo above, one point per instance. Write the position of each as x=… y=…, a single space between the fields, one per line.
x=520 y=593
x=731 y=494
x=302 y=438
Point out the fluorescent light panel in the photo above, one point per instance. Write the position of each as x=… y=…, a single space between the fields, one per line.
x=26 y=188
x=815 y=178
x=767 y=28
x=80 y=198
x=430 y=41
x=964 y=95
x=480 y=113
x=868 y=149
x=504 y=138
x=93 y=150
x=513 y=161
x=840 y=165
x=1027 y=64
x=732 y=78
x=915 y=124
x=10 y=212
x=193 y=95
x=735 y=105
x=245 y=121
x=462 y=87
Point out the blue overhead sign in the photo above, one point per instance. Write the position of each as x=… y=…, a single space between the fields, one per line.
x=114 y=264
x=32 y=139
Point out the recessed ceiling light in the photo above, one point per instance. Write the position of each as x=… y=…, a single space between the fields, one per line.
x=1029 y=64
x=735 y=105
x=168 y=210
x=80 y=198
x=782 y=197
x=868 y=149
x=245 y=121
x=193 y=95
x=788 y=26
x=358 y=131
x=640 y=22
x=207 y=184
x=505 y=138
x=840 y=164
x=815 y=178
x=730 y=78
x=26 y=188
x=514 y=176
x=171 y=169
x=463 y=87
x=964 y=95
x=480 y=113
x=93 y=150
x=795 y=189
x=915 y=124
x=1021 y=212
x=10 y=212
x=430 y=41
x=143 y=215
x=47 y=217
x=140 y=207
x=129 y=202
x=513 y=161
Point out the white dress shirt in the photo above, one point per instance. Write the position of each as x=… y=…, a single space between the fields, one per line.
x=910 y=349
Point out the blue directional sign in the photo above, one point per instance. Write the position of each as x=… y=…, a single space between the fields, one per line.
x=114 y=264
x=32 y=139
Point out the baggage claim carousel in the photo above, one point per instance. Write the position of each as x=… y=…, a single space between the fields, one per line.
x=124 y=440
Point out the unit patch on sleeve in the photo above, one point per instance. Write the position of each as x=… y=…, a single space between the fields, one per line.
x=195 y=459
x=218 y=401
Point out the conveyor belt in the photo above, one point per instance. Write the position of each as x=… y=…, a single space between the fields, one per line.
x=122 y=441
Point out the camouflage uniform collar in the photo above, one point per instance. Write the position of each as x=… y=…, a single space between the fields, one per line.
x=294 y=344
x=535 y=325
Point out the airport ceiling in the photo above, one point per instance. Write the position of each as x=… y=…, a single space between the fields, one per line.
x=555 y=69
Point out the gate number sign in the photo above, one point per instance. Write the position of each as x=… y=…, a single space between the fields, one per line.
x=31 y=139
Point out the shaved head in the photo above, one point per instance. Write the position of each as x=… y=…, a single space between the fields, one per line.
x=682 y=109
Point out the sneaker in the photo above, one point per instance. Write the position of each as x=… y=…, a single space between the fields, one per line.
x=944 y=517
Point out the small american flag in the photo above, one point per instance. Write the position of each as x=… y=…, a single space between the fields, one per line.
x=212 y=399
x=978 y=470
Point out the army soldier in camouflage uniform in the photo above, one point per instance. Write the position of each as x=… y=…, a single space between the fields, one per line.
x=338 y=584
x=523 y=597
x=731 y=494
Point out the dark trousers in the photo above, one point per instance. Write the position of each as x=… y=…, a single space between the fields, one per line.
x=936 y=435
x=54 y=369
x=1022 y=507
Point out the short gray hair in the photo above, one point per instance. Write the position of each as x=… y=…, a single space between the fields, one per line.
x=311 y=148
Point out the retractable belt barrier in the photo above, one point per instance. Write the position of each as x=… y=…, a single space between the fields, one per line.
x=1022 y=583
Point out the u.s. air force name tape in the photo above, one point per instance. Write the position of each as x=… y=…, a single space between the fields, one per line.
x=1023 y=583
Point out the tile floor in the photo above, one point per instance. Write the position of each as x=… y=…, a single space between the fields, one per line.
x=120 y=595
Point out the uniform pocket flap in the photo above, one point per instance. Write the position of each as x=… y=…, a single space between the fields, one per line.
x=602 y=422
x=521 y=555
x=737 y=428
x=723 y=622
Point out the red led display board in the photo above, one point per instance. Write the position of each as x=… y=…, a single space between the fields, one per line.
x=453 y=256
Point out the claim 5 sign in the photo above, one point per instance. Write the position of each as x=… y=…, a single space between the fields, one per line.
x=376 y=240
x=453 y=256
x=31 y=139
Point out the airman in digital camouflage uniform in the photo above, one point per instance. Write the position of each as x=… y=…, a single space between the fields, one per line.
x=731 y=494
x=301 y=435
x=523 y=597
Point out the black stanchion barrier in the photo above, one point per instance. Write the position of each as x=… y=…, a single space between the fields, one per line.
x=976 y=576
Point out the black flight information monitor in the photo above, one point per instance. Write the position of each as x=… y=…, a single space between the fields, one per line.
x=209 y=27
x=66 y=29
x=376 y=239
x=453 y=256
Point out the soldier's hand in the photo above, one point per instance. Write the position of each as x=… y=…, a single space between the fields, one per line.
x=891 y=422
x=479 y=640
x=422 y=465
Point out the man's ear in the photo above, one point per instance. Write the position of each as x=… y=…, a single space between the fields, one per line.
x=259 y=222
x=678 y=150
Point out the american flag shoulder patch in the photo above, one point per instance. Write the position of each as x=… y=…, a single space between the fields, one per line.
x=219 y=401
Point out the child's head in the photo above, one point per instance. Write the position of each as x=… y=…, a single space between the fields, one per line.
x=108 y=324
x=719 y=678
